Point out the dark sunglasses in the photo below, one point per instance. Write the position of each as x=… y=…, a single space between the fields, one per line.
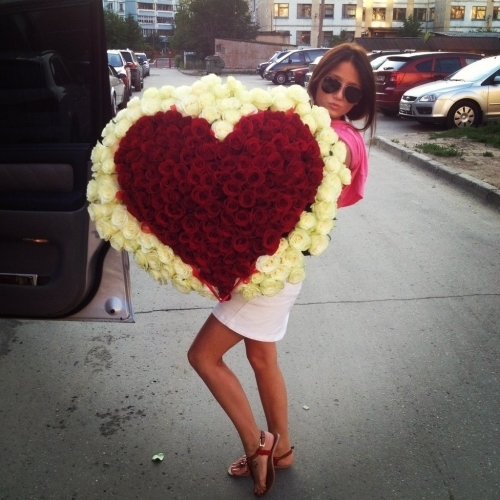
x=331 y=85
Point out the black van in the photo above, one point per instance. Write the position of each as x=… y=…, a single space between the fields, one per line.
x=278 y=71
x=54 y=104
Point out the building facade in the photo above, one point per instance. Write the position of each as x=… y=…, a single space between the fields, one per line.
x=310 y=24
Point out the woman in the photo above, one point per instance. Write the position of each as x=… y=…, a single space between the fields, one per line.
x=343 y=84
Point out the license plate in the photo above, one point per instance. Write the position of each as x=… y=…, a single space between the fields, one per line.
x=405 y=107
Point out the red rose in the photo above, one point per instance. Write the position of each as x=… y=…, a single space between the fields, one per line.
x=268 y=149
x=283 y=203
x=200 y=128
x=247 y=198
x=236 y=140
x=222 y=150
x=289 y=220
x=280 y=141
x=255 y=177
x=231 y=188
x=231 y=205
x=246 y=126
x=213 y=209
x=240 y=243
x=186 y=155
x=190 y=224
x=270 y=241
x=228 y=163
x=208 y=151
x=242 y=218
x=275 y=162
x=175 y=211
x=253 y=146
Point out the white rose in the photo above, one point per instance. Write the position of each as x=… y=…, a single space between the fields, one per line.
x=104 y=228
x=340 y=151
x=233 y=85
x=97 y=153
x=167 y=91
x=324 y=226
x=307 y=221
x=156 y=275
x=147 y=241
x=119 y=218
x=221 y=91
x=231 y=116
x=229 y=103
x=345 y=176
x=328 y=135
x=153 y=260
x=108 y=166
x=250 y=291
x=181 y=269
x=321 y=116
x=190 y=106
x=333 y=180
x=299 y=239
x=151 y=106
x=211 y=80
x=166 y=104
x=131 y=229
x=165 y=254
x=210 y=113
x=181 y=284
x=332 y=164
x=298 y=94
x=117 y=241
x=282 y=246
x=92 y=191
x=303 y=109
x=281 y=272
x=108 y=129
x=270 y=287
x=257 y=278
x=107 y=191
x=327 y=192
x=248 y=109
x=324 y=148
x=134 y=113
x=199 y=87
x=293 y=258
x=206 y=99
x=324 y=210
x=141 y=259
x=151 y=93
x=319 y=242
x=102 y=210
x=310 y=121
x=297 y=275
x=261 y=99
x=130 y=245
x=181 y=92
x=221 y=129
x=110 y=141
x=195 y=284
x=281 y=102
x=267 y=263
x=243 y=95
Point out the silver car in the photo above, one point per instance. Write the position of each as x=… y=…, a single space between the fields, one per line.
x=468 y=97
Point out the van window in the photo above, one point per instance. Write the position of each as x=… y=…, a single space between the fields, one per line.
x=424 y=66
x=297 y=57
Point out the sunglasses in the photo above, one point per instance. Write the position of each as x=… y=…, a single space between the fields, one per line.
x=351 y=94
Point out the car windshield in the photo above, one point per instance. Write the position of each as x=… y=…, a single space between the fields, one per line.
x=115 y=60
x=478 y=70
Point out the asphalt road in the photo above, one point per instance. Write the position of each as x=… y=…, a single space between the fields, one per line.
x=393 y=346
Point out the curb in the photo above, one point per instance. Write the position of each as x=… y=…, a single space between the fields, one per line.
x=479 y=189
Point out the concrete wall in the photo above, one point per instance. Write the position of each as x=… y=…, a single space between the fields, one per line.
x=238 y=54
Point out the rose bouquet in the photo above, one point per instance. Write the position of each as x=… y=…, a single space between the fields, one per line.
x=217 y=188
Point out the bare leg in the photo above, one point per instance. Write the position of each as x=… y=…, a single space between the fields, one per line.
x=205 y=355
x=263 y=357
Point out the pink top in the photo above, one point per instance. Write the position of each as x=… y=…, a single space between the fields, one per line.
x=359 y=163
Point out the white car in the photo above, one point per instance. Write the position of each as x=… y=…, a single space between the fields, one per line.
x=119 y=93
x=468 y=97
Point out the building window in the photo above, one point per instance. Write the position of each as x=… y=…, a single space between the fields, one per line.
x=420 y=14
x=457 y=12
x=163 y=19
x=146 y=19
x=328 y=12
x=122 y=8
x=348 y=10
x=398 y=14
x=110 y=6
x=431 y=14
x=478 y=13
x=378 y=14
x=496 y=13
x=303 y=38
x=162 y=6
x=144 y=5
x=303 y=11
x=280 y=10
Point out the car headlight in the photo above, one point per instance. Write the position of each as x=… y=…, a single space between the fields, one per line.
x=428 y=98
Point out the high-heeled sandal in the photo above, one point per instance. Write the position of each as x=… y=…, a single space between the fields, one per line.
x=270 y=462
x=240 y=467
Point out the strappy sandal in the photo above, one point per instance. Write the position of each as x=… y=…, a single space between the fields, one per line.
x=240 y=467
x=270 y=462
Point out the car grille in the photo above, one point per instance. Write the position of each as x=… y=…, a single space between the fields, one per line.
x=424 y=110
x=408 y=98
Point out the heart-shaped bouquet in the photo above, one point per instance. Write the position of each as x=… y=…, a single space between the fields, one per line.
x=217 y=188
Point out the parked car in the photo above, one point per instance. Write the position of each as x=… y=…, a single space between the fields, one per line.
x=54 y=104
x=277 y=72
x=143 y=59
x=135 y=68
x=374 y=54
x=263 y=65
x=309 y=73
x=298 y=75
x=119 y=94
x=404 y=71
x=116 y=60
x=467 y=98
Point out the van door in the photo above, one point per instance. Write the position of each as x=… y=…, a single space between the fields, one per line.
x=54 y=103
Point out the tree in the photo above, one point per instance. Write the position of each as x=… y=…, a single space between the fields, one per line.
x=122 y=33
x=338 y=39
x=199 y=22
x=411 y=27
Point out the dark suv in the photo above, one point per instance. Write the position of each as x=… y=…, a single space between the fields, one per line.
x=135 y=68
x=54 y=104
x=405 y=71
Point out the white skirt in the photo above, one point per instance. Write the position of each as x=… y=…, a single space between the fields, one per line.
x=262 y=318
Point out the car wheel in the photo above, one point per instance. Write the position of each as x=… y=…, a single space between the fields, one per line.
x=463 y=115
x=389 y=112
x=114 y=108
x=302 y=81
x=125 y=100
x=280 y=78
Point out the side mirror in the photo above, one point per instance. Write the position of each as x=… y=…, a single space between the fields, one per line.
x=496 y=80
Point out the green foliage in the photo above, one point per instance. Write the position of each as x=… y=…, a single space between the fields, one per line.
x=489 y=134
x=437 y=150
x=488 y=154
x=199 y=22
x=123 y=33
x=338 y=39
x=411 y=27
